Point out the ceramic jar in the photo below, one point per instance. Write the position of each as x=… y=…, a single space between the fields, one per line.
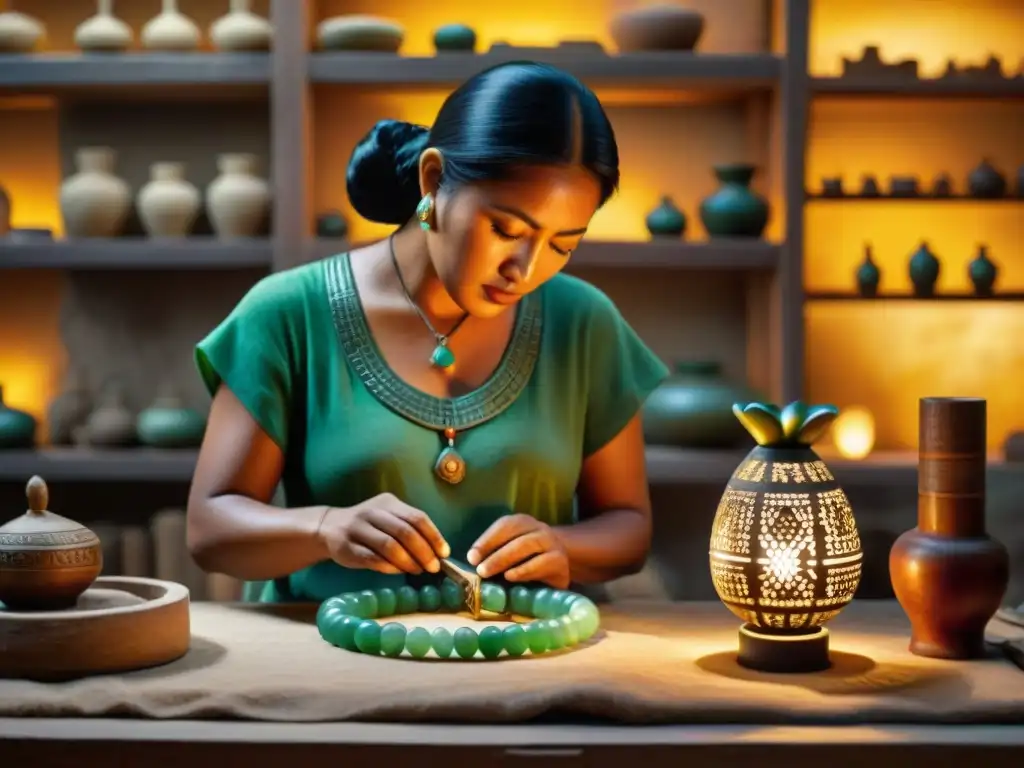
x=868 y=275
x=94 y=202
x=948 y=574
x=19 y=32
x=331 y=224
x=983 y=273
x=168 y=204
x=167 y=423
x=17 y=428
x=924 y=270
x=241 y=29
x=111 y=424
x=734 y=210
x=661 y=27
x=986 y=182
x=170 y=30
x=666 y=220
x=454 y=37
x=360 y=33
x=237 y=201
x=68 y=410
x=693 y=409
x=104 y=31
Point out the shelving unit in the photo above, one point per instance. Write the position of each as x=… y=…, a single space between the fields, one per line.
x=849 y=296
x=288 y=79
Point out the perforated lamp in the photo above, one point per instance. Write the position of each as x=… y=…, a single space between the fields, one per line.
x=785 y=553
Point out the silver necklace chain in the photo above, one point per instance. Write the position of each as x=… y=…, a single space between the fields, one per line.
x=442 y=338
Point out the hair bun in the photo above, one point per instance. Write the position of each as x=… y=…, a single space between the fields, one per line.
x=383 y=172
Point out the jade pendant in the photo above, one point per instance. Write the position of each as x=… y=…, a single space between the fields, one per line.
x=450 y=466
x=442 y=357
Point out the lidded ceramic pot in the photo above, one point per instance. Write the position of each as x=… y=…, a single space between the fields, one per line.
x=46 y=561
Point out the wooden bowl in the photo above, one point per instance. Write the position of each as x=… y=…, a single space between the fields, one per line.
x=119 y=624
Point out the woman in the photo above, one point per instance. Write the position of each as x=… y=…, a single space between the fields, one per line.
x=445 y=392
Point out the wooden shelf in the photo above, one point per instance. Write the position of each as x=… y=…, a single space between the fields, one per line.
x=919 y=88
x=850 y=296
x=149 y=69
x=698 y=71
x=820 y=198
x=665 y=466
x=742 y=254
x=198 y=253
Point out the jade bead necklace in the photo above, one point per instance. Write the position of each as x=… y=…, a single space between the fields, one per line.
x=560 y=619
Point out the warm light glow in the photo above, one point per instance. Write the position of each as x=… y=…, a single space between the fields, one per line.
x=931 y=31
x=854 y=433
x=30 y=162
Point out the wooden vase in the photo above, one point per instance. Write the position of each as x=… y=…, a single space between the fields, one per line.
x=947 y=573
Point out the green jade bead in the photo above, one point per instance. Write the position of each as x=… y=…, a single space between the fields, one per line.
x=556 y=634
x=586 y=616
x=542 y=603
x=368 y=602
x=367 y=637
x=417 y=642
x=408 y=599
x=515 y=640
x=492 y=598
x=442 y=641
x=569 y=629
x=451 y=595
x=521 y=600
x=430 y=599
x=467 y=642
x=491 y=642
x=537 y=637
x=392 y=639
x=387 y=602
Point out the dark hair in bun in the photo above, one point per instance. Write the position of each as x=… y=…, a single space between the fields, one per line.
x=512 y=114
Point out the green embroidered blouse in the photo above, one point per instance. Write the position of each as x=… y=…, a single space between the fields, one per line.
x=298 y=354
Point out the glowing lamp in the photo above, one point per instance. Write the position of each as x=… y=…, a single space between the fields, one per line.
x=854 y=433
x=785 y=552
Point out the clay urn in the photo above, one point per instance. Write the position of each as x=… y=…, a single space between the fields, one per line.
x=46 y=561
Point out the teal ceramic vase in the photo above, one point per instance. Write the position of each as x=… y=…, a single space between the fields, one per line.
x=331 y=224
x=693 y=409
x=17 y=428
x=868 y=275
x=734 y=210
x=666 y=220
x=169 y=424
x=455 y=37
x=983 y=273
x=924 y=272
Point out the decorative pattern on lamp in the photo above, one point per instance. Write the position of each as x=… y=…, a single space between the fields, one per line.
x=785 y=553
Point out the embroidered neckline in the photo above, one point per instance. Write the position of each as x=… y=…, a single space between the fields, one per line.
x=364 y=356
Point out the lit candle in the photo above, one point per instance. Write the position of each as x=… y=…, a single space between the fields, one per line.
x=854 y=433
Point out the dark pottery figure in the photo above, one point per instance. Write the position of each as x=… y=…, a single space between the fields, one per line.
x=868 y=275
x=983 y=272
x=869 y=187
x=693 y=409
x=942 y=186
x=947 y=573
x=1013 y=448
x=832 y=187
x=455 y=37
x=903 y=186
x=666 y=220
x=661 y=27
x=17 y=428
x=734 y=210
x=68 y=410
x=924 y=271
x=331 y=224
x=986 y=182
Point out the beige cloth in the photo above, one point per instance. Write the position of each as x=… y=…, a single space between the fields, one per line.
x=652 y=663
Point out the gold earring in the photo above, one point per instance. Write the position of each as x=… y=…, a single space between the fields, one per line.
x=425 y=212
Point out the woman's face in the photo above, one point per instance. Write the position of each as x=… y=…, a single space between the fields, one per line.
x=495 y=242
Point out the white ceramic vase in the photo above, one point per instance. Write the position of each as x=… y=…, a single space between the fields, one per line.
x=170 y=30
x=241 y=29
x=237 y=201
x=94 y=202
x=104 y=31
x=167 y=204
x=19 y=32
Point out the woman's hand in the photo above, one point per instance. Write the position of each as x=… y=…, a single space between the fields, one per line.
x=383 y=534
x=521 y=548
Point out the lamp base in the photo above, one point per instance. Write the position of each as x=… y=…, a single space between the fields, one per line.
x=804 y=651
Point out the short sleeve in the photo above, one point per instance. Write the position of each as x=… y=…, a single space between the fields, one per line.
x=621 y=372
x=252 y=351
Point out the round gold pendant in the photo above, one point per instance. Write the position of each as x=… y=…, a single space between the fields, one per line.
x=450 y=466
